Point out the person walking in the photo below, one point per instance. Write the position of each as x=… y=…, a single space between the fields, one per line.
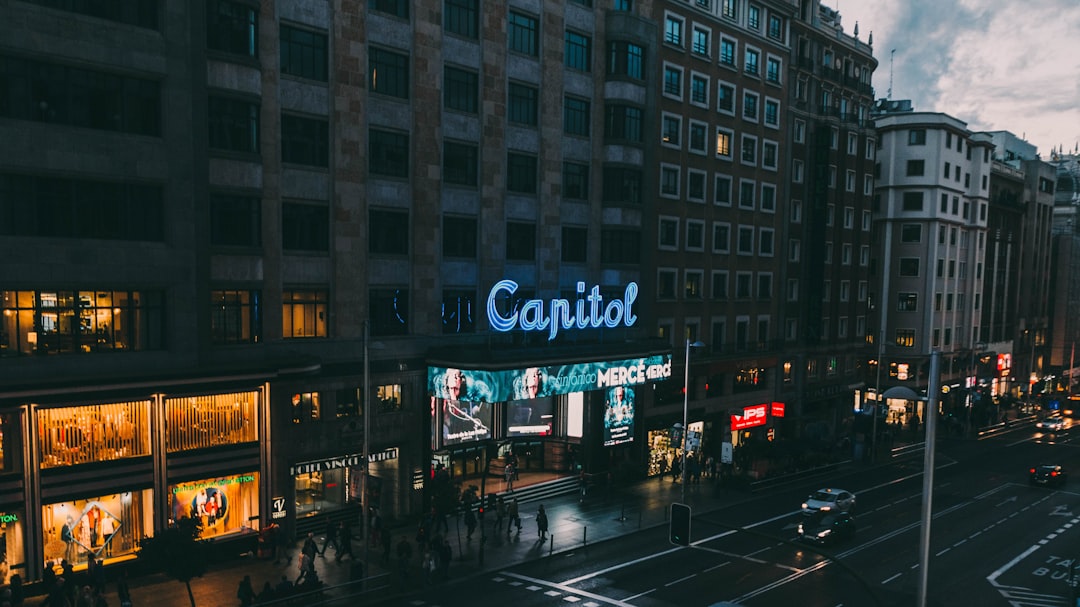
x=310 y=548
x=245 y=592
x=541 y=522
x=331 y=538
x=508 y=474
x=344 y=542
x=470 y=521
x=515 y=518
x=500 y=512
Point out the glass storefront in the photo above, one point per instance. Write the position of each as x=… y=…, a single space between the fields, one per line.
x=198 y=422
x=328 y=490
x=225 y=505
x=93 y=433
x=12 y=545
x=101 y=527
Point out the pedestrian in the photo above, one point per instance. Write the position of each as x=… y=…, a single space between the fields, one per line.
x=500 y=512
x=245 y=592
x=470 y=521
x=541 y=522
x=583 y=485
x=427 y=565
x=663 y=468
x=306 y=567
x=310 y=548
x=676 y=468
x=266 y=594
x=515 y=519
x=376 y=526
x=508 y=474
x=18 y=593
x=284 y=587
x=344 y=542
x=331 y=538
x=122 y=591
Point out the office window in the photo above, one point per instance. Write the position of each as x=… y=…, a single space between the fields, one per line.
x=575 y=244
x=232 y=27
x=917 y=137
x=622 y=185
x=622 y=122
x=389 y=311
x=750 y=61
x=721 y=237
x=520 y=241
x=460 y=235
x=303 y=53
x=772 y=113
x=725 y=98
x=699 y=136
x=665 y=283
x=625 y=59
x=699 y=90
x=769 y=154
x=388 y=153
x=668 y=237
x=235 y=317
x=695 y=185
x=772 y=70
x=909 y=266
x=576 y=116
x=575 y=181
x=671 y=127
x=912 y=201
x=911 y=232
x=522 y=102
x=461 y=90
x=578 y=51
x=305 y=141
x=388 y=232
x=793 y=289
x=397 y=8
x=768 y=198
x=388 y=73
x=460 y=163
x=700 y=43
x=524 y=34
x=745 y=240
x=303 y=313
x=695 y=235
x=461 y=17
x=750 y=106
x=521 y=173
x=727 y=52
x=719 y=284
x=235 y=220
x=722 y=190
x=673 y=81
x=673 y=30
x=233 y=124
x=305 y=226
x=746 y=194
x=723 y=143
x=766 y=242
x=669 y=181
x=748 y=149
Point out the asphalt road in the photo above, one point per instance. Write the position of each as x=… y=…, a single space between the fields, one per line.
x=995 y=540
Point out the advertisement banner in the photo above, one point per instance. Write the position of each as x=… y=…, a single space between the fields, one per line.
x=530 y=417
x=751 y=417
x=618 y=416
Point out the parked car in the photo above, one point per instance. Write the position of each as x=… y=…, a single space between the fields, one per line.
x=829 y=499
x=827 y=527
x=1052 y=424
x=1047 y=474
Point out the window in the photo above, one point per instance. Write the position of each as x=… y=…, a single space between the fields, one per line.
x=700 y=44
x=695 y=235
x=699 y=136
x=723 y=143
x=388 y=232
x=797 y=171
x=905 y=338
x=772 y=69
x=727 y=52
x=699 y=90
x=303 y=313
x=768 y=198
x=233 y=124
x=303 y=53
x=389 y=73
x=794 y=250
x=720 y=284
x=305 y=141
x=388 y=153
x=695 y=185
x=460 y=163
x=746 y=194
x=746 y=240
x=622 y=185
x=673 y=30
x=764 y=285
x=669 y=181
x=776 y=28
x=575 y=244
x=522 y=104
x=911 y=232
x=750 y=106
x=721 y=237
x=578 y=51
x=849 y=181
x=845 y=254
x=772 y=113
x=728 y=8
x=800 y=131
x=458 y=316
x=917 y=137
x=748 y=149
x=622 y=122
x=235 y=317
x=520 y=241
x=744 y=285
x=671 y=126
x=912 y=201
x=232 y=27
x=909 y=266
x=722 y=190
x=389 y=311
x=693 y=287
x=624 y=6
x=725 y=98
x=521 y=173
x=576 y=116
x=766 y=242
x=665 y=283
x=461 y=17
x=235 y=220
x=793 y=289
x=673 y=81
x=575 y=181
x=620 y=245
x=305 y=226
x=524 y=34
x=397 y=8
x=459 y=237
x=768 y=155
x=625 y=59
x=750 y=61
x=461 y=90
x=753 y=18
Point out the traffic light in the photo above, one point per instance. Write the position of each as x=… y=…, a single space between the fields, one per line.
x=679 y=525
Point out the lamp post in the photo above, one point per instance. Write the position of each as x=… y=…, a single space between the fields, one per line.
x=365 y=403
x=685 y=409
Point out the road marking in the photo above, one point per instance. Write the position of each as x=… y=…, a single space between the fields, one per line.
x=683 y=579
x=717 y=566
x=639 y=595
x=568 y=590
x=743 y=558
x=887 y=580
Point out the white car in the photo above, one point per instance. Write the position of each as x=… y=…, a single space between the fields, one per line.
x=829 y=499
x=1051 y=423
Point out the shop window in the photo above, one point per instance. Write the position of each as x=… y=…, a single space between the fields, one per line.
x=198 y=422
x=102 y=527
x=93 y=433
x=12 y=545
x=305 y=407
x=224 y=505
x=328 y=490
x=303 y=313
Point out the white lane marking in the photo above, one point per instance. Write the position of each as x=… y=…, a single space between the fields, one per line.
x=568 y=590
x=682 y=579
x=887 y=580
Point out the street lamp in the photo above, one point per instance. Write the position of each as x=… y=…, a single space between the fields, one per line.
x=685 y=407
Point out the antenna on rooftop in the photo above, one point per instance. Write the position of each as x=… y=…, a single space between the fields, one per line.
x=891 y=53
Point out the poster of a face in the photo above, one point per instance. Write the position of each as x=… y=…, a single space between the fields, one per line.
x=464 y=421
x=531 y=384
x=529 y=417
x=619 y=416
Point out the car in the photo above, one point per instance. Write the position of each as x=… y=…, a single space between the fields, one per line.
x=829 y=499
x=827 y=527
x=1047 y=474
x=1053 y=424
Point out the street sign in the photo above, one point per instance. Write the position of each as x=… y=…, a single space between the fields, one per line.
x=726 y=453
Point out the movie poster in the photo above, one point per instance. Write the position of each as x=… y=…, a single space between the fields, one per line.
x=618 y=416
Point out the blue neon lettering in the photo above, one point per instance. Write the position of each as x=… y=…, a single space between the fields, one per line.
x=561 y=314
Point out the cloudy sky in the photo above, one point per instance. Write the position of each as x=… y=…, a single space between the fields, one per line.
x=998 y=65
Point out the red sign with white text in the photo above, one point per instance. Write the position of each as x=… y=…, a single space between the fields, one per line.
x=777 y=409
x=751 y=416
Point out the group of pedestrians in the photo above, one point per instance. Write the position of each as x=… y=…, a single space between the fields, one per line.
x=68 y=589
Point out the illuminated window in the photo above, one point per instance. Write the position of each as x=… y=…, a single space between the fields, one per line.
x=93 y=433
x=303 y=313
x=224 y=505
x=235 y=317
x=198 y=422
x=305 y=407
x=388 y=397
x=104 y=526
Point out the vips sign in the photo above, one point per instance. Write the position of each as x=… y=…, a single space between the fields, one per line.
x=751 y=416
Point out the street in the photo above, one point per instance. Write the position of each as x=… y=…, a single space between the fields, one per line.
x=995 y=540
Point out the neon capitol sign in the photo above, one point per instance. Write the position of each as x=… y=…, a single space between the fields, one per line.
x=540 y=315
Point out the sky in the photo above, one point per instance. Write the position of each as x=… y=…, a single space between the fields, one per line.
x=998 y=65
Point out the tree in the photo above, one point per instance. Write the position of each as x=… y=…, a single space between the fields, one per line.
x=178 y=552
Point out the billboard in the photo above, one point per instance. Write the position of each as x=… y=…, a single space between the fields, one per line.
x=465 y=421
x=618 y=416
x=530 y=417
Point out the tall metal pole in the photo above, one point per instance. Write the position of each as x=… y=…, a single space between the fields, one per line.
x=685 y=407
x=930 y=416
x=880 y=401
x=365 y=401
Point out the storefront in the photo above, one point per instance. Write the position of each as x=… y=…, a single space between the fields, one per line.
x=224 y=505
x=99 y=527
x=12 y=544
x=330 y=484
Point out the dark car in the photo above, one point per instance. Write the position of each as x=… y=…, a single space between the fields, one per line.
x=1047 y=474
x=827 y=527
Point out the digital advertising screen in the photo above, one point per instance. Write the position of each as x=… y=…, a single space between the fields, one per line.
x=618 y=415
x=530 y=417
x=465 y=421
